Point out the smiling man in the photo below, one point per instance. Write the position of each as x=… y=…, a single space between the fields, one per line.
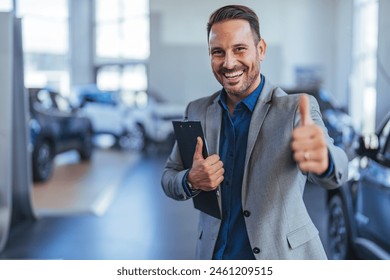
x=236 y=53
x=263 y=146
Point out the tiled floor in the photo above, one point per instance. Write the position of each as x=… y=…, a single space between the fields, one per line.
x=82 y=187
x=141 y=222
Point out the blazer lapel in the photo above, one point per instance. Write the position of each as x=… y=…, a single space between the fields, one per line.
x=212 y=125
x=259 y=114
x=212 y=130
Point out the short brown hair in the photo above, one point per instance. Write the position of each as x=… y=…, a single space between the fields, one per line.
x=230 y=12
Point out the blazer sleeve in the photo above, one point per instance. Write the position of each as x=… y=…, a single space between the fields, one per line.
x=340 y=160
x=173 y=174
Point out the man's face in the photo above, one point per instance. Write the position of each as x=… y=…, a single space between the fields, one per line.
x=235 y=58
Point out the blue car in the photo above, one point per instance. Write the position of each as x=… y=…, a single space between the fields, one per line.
x=55 y=127
x=359 y=211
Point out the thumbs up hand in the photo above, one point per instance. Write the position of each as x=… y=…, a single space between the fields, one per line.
x=308 y=142
x=205 y=174
x=304 y=110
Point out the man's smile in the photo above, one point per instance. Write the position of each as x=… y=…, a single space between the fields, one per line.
x=233 y=75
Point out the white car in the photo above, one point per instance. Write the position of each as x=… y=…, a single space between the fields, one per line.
x=137 y=120
x=156 y=120
x=109 y=115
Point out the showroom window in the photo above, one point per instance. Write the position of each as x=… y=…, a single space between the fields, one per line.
x=122 y=45
x=364 y=74
x=6 y=5
x=122 y=29
x=45 y=43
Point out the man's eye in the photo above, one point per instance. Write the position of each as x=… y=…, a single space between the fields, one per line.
x=217 y=53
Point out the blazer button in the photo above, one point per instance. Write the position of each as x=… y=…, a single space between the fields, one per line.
x=246 y=213
x=256 y=250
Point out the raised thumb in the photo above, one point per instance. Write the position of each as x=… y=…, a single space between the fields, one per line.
x=198 y=155
x=304 y=110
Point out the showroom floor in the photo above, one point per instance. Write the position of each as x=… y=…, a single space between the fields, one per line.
x=120 y=212
x=81 y=188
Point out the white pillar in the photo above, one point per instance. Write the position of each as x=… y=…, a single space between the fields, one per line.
x=81 y=41
x=6 y=70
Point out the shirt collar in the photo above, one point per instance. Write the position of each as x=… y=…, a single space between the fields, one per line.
x=249 y=101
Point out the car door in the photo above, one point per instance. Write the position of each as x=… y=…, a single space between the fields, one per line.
x=50 y=119
x=373 y=203
x=70 y=124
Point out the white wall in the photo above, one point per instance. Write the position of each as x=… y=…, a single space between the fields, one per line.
x=298 y=33
x=342 y=43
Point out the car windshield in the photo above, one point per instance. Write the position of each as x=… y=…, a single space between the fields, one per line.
x=44 y=99
x=62 y=104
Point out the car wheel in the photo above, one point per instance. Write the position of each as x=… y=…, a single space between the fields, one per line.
x=87 y=146
x=339 y=235
x=132 y=140
x=42 y=161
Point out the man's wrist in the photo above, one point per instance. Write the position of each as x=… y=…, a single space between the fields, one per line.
x=188 y=187
x=329 y=171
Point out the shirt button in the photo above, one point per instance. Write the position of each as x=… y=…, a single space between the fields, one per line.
x=256 y=250
x=247 y=213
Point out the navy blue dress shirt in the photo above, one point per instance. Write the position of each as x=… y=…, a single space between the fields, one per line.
x=232 y=241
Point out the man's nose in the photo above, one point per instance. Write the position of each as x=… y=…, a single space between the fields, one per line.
x=230 y=61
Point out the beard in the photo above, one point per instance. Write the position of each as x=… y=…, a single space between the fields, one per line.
x=248 y=79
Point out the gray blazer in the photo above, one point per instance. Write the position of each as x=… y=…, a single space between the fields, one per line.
x=279 y=226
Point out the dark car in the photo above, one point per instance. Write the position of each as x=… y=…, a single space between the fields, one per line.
x=359 y=211
x=337 y=121
x=55 y=127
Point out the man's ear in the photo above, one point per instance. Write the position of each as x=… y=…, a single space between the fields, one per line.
x=262 y=47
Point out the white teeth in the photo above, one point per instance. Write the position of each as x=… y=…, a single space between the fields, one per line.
x=233 y=74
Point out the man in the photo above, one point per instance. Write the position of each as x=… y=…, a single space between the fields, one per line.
x=263 y=146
